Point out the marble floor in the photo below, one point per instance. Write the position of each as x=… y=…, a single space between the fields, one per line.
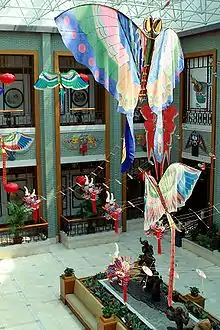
x=29 y=286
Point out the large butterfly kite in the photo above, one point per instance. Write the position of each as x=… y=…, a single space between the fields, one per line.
x=119 y=54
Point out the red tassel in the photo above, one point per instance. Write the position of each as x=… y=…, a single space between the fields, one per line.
x=35 y=215
x=159 y=246
x=116 y=227
x=125 y=296
x=93 y=199
x=4 y=159
x=172 y=265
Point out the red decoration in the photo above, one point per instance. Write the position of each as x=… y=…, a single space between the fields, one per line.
x=141 y=176
x=93 y=199
x=11 y=187
x=84 y=77
x=4 y=160
x=169 y=127
x=83 y=149
x=7 y=78
x=81 y=180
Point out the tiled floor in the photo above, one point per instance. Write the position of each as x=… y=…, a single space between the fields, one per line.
x=29 y=286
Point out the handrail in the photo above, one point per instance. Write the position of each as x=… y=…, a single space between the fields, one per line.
x=81 y=220
x=44 y=224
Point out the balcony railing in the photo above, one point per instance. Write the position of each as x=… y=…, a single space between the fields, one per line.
x=25 y=234
x=77 y=227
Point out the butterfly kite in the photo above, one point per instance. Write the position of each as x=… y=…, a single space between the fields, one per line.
x=10 y=145
x=70 y=79
x=130 y=63
x=172 y=192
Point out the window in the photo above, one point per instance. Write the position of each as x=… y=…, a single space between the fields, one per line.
x=85 y=107
x=198 y=74
x=17 y=99
x=24 y=176
x=73 y=207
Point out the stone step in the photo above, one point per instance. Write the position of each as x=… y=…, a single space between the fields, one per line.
x=82 y=311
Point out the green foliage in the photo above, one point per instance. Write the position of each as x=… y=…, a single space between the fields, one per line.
x=18 y=215
x=107 y=311
x=208 y=239
x=68 y=272
x=194 y=291
x=87 y=208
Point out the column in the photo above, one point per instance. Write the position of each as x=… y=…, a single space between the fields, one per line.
x=48 y=146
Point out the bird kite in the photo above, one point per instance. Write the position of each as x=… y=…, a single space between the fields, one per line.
x=10 y=145
x=132 y=64
x=70 y=79
x=172 y=192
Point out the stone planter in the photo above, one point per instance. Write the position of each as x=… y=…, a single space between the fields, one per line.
x=199 y=300
x=107 y=324
x=67 y=284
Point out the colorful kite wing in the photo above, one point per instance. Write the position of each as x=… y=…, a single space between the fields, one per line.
x=177 y=185
x=112 y=47
x=47 y=80
x=73 y=80
x=154 y=209
x=17 y=142
x=166 y=65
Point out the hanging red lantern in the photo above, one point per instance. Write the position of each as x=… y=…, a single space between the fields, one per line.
x=84 y=77
x=81 y=180
x=11 y=187
x=7 y=78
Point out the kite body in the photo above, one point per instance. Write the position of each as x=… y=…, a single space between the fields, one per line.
x=114 y=49
x=15 y=142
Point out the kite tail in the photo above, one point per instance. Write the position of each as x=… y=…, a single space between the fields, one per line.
x=4 y=160
x=172 y=265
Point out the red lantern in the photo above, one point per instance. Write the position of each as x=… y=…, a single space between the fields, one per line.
x=81 y=180
x=84 y=77
x=7 y=78
x=11 y=187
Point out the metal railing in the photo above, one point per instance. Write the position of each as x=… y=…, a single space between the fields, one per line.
x=25 y=234
x=78 y=227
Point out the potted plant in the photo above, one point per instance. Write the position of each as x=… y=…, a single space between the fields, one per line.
x=18 y=215
x=67 y=283
x=195 y=297
x=107 y=320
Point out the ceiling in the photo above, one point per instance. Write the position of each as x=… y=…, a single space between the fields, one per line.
x=181 y=15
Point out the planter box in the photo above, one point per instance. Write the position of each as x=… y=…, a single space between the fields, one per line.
x=199 y=300
x=213 y=257
x=67 y=284
x=107 y=324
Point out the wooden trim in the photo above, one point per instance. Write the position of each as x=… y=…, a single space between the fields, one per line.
x=37 y=131
x=33 y=53
x=124 y=187
x=181 y=116
x=213 y=134
x=57 y=141
x=212 y=169
x=107 y=137
x=199 y=54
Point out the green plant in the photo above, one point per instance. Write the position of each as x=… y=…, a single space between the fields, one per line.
x=107 y=311
x=194 y=291
x=68 y=272
x=18 y=215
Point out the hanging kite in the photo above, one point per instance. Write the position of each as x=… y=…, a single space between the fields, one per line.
x=112 y=210
x=32 y=202
x=172 y=192
x=130 y=63
x=158 y=230
x=68 y=80
x=10 y=145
